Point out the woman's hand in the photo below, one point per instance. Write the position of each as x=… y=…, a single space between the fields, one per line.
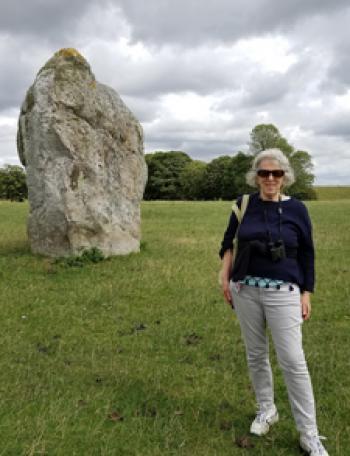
x=225 y=276
x=227 y=292
x=305 y=305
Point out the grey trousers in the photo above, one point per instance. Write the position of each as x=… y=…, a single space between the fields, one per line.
x=280 y=310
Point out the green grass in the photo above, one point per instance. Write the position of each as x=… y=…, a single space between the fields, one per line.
x=139 y=354
x=333 y=193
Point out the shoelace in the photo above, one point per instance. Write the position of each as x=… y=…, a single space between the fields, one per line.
x=261 y=416
x=315 y=443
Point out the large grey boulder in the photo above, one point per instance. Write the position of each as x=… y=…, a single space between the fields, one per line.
x=83 y=153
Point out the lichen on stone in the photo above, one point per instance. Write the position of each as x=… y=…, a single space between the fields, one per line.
x=69 y=52
x=63 y=57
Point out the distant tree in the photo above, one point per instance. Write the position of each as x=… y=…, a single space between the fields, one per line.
x=263 y=136
x=225 y=176
x=173 y=175
x=304 y=177
x=13 y=184
x=192 y=180
x=241 y=164
x=218 y=179
x=267 y=136
x=164 y=170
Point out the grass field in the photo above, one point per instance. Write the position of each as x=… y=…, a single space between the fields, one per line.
x=333 y=193
x=139 y=355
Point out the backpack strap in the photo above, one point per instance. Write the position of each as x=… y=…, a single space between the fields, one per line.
x=245 y=201
x=240 y=214
x=241 y=211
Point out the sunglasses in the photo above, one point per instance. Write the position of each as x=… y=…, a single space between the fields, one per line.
x=267 y=172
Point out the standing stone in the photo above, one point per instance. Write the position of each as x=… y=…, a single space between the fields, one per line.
x=83 y=153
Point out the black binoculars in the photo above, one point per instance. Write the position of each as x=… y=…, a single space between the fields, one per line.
x=276 y=250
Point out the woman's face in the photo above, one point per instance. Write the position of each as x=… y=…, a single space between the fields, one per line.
x=270 y=185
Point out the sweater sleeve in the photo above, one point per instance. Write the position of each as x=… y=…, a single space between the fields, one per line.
x=306 y=254
x=227 y=242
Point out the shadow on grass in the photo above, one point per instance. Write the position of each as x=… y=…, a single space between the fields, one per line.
x=18 y=248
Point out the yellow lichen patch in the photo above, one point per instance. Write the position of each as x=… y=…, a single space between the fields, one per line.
x=69 y=52
x=92 y=85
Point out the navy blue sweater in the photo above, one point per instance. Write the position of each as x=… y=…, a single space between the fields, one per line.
x=296 y=233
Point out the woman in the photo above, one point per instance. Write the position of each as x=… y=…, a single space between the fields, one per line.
x=270 y=285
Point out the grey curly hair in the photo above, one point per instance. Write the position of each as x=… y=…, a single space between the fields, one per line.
x=271 y=154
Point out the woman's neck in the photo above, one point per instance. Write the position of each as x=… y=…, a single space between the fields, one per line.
x=275 y=197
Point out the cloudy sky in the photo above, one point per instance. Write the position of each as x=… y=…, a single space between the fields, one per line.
x=199 y=74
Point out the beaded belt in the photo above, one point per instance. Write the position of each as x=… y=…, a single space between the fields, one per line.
x=264 y=282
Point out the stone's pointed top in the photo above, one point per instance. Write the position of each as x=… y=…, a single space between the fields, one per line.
x=69 y=52
x=66 y=57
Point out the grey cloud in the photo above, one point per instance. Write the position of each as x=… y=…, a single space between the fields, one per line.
x=176 y=77
x=339 y=72
x=197 y=149
x=166 y=21
x=16 y=87
x=144 y=109
x=336 y=178
x=329 y=38
x=198 y=140
x=338 y=126
x=49 y=20
x=201 y=70
x=335 y=171
x=21 y=60
x=191 y=21
x=192 y=129
x=265 y=90
x=208 y=150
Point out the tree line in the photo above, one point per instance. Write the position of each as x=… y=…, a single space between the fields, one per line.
x=13 y=184
x=174 y=175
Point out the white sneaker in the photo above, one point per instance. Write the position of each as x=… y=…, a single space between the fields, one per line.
x=263 y=420
x=312 y=444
